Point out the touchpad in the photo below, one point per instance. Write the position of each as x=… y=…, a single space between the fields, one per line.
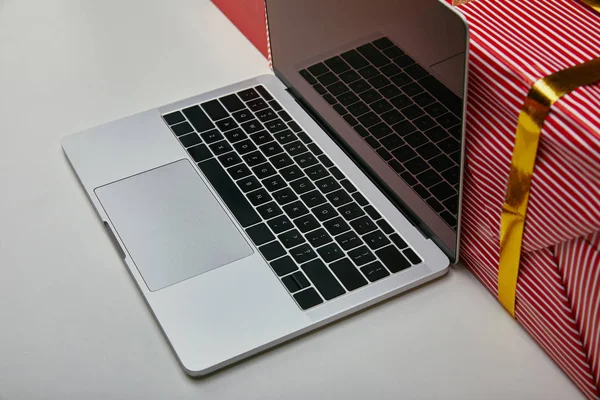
x=171 y=224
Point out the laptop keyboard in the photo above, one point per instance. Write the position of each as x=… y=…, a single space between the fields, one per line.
x=318 y=233
x=405 y=114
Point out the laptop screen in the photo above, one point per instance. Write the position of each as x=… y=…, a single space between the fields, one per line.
x=387 y=77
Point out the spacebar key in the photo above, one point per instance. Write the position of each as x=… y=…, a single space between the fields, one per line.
x=229 y=192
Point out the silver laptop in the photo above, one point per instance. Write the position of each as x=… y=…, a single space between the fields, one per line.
x=260 y=211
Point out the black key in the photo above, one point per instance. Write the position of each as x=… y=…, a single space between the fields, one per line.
x=448 y=120
x=372 y=142
x=452 y=175
x=320 y=89
x=215 y=110
x=284 y=266
x=254 y=158
x=428 y=151
x=294 y=126
x=263 y=171
x=292 y=172
x=271 y=149
x=285 y=116
x=284 y=196
x=396 y=166
x=390 y=91
x=358 y=109
x=190 y=139
x=424 y=99
x=295 y=148
x=369 y=119
x=412 y=256
x=295 y=209
x=416 y=71
x=239 y=171
x=340 y=109
x=351 y=211
x=383 y=43
x=408 y=178
x=381 y=106
x=392 y=117
x=421 y=191
x=412 y=112
x=318 y=238
x=303 y=253
x=375 y=271
x=380 y=130
x=402 y=101
x=244 y=147
x=363 y=225
x=330 y=252
x=372 y=54
x=200 y=153
x=456 y=131
x=349 y=76
x=327 y=184
x=266 y=115
x=361 y=131
x=212 y=136
x=360 y=199
x=393 y=52
x=361 y=255
x=304 y=137
x=308 y=298
x=323 y=279
x=416 y=165
x=230 y=159
x=182 y=129
x=280 y=224
x=306 y=223
x=384 y=226
x=275 y=105
x=359 y=86
x=198 y=119
x=302 y=185
x=449 y=218
x=226 y=124
x=376 y=240
x=232 y=103
x=263 y=92
x=291 y=238
x=327 y=79
x=368 y=72
x=173 y=118
x=383 y=153
x=379 y=81
x=324 y=212
x=251 y=126
x=275 y=125
x=370 y=96
x=391 y=70
x=249 y=184
x=401 y=79
x=424 y=123
x=261 y=137
x=372 y=212
x=450 y=145
x=295 y=282
x=309 y=78
x=305 y=160
x=435 y=110
x=260 y=234
x=398 y=241
x=285 y=136
x=274 y=183
x=347 y=98
x=318 y=69
x=337 y=88
x=336 y=226
x=325 y=161
x=392 y=142
x=272 y=251
x=269 y=210
x=235 y=135
x=339 y=198
x=335 y=171
x=435 y=205
x=347 y=273
x=429 y=178
x=313 y=199
x=403 y=61
x=355 y=59
x=233 y=198
x=316 y=150
x=281 y=161
x=349 y=240
x=442 y=93
x=436 y=134
x=248 y=94
x=451 y=204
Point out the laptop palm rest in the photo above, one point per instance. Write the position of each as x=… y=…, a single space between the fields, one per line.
x=171 y=224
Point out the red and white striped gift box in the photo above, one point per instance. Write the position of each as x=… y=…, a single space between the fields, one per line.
x=513 y=44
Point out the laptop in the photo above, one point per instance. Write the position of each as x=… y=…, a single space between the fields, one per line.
x=260 y=211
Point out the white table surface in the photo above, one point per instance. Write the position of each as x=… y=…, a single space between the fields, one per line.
x=72 y=323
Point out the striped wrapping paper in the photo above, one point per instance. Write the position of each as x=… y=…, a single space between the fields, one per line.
x=513 y=44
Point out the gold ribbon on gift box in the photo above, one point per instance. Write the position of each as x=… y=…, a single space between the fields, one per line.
x=537 y=106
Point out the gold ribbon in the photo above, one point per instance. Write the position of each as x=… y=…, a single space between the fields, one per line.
x=544 y=93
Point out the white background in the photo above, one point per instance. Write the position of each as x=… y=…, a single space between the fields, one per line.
x=72 y=324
